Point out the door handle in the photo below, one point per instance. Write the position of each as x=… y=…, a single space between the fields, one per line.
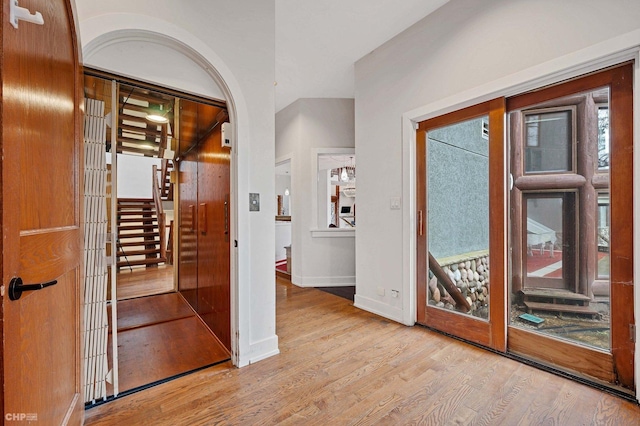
x=16 y=287
x=226 y=217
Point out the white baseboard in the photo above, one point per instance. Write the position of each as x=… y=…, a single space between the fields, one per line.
x=378 y=308
x=262 y=349
x=323 y=281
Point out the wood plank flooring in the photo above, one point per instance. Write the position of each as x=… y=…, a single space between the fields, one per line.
x=142 y=311
x=341 y=365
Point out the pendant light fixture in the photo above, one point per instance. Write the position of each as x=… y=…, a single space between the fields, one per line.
x=157 y=115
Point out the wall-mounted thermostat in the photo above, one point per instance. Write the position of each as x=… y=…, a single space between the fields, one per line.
x=226 y=134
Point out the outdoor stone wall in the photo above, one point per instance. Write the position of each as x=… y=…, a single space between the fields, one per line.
x=471 y=276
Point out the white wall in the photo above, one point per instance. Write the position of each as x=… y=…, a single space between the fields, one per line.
x=283 y=239
x=135 y=176
x=465 y=52
x=302 y=127
x=216 y=46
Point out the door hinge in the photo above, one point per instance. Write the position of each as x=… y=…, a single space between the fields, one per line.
x=632 y=332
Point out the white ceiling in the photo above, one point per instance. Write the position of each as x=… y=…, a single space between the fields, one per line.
x=335 y=161
x=318 y=41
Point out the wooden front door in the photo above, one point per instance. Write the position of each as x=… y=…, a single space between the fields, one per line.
x=41 y=217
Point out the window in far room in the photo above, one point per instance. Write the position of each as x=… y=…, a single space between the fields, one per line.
x=336 y=191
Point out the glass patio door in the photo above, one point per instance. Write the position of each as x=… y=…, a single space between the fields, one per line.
x=532 y=254
x=461 y=235
x=571 y=222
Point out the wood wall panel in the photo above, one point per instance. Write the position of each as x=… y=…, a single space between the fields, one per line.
x=188 y=238
x=213 y=245
x=204 y=187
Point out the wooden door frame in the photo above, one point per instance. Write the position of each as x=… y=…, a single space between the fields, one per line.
x=490 y=333
x=599 y=364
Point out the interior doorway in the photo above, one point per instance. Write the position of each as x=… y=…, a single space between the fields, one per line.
x=156 y=331
x=283 y=218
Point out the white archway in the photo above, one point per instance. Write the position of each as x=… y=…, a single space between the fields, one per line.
x=106 y=30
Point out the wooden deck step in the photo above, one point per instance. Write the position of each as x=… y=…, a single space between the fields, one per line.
x=553 y=293
x=555 y=296
x=569 y=309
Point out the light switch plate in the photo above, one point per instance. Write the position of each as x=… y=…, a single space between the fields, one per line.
x=254 y=202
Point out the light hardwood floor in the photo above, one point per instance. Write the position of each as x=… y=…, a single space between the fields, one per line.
x=341 y=365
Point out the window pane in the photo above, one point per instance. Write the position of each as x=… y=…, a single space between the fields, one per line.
x=603 y=138
x=336 y=190
x=458 y=215
x=560 y=281
x=544 y=237
x=603 y=236
x=548 y=142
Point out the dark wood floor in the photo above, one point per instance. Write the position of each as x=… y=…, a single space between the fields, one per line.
x=342 y=365
x=160 y=337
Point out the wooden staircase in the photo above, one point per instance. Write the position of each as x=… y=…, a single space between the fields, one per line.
x=557 y=301
x=166 y=186
x=138 y=233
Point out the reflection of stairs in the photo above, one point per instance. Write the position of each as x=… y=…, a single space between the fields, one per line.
x=138 y=236
x=559 y=301
x=166 y=187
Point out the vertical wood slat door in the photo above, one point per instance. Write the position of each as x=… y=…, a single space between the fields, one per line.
x=41 y=216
